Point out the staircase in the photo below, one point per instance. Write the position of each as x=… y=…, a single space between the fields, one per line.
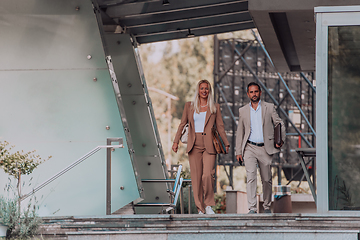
x=193 y=226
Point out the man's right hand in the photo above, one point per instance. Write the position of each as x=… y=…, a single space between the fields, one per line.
x=239 y=158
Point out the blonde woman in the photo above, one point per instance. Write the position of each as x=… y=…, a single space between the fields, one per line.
x=201 y=115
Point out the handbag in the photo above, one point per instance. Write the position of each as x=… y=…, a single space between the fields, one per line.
x=185 y=134
x=277 y=135
x=217 y=141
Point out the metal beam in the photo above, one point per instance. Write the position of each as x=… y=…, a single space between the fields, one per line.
x=237 y=59
x=308 y=81
x=156 y=7
x=203 y=31
x=274 y=100
x=192 y=22
x=307 y=152
x=226 y=102
x=286 y=86
x=206 y=12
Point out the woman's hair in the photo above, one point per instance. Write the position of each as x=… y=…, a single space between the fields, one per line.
x=210 y=100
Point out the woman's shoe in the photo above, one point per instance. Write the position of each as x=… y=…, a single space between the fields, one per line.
x=209 y=210
x=200 y=212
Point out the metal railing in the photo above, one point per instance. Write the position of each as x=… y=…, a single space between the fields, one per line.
x=175 y=193
x=181 y=195
x=77 y=162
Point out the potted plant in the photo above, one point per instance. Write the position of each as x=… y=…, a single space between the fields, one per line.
x=20 y=223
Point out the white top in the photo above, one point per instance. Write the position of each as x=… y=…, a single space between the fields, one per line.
x=199 y=121
x=256 y=126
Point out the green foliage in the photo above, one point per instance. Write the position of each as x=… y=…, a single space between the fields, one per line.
x=9 y=214
x=342 y=197
x=220 y=203
x=193 y=209
x=21 y=224
x=185 y=174
x=22 y=163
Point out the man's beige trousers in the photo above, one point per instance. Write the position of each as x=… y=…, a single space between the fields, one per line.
x=257 y=156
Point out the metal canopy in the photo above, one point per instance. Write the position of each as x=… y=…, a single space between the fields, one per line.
x=162 y=20
x=287 y=28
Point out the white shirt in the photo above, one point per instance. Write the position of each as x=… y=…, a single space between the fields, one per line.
x=256 y=126
x=199 y=121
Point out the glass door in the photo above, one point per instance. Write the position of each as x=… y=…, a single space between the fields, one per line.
x=338 y=113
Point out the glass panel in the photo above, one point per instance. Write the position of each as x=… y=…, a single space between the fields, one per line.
x=344 y=115
x=51 y=103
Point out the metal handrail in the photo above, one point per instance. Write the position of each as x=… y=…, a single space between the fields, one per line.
x=68 y=168
x=163 y=180
x=174 y=193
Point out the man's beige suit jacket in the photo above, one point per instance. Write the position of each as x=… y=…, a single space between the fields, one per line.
x=270 y=118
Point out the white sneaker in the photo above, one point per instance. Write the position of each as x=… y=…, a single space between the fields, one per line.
x=200 y=212
x=209 y=210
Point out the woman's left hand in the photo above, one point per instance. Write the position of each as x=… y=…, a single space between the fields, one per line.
x=175 y=147
x=227 y=149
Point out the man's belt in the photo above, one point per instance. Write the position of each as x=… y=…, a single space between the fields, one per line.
x=256 y=144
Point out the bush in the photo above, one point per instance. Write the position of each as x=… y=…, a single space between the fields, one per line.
x=21 y=224
x=220 y=203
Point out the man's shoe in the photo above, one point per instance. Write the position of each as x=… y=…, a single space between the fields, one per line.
x=252 y=212
x=209 y=210
x=200 y=212
x=267 y=211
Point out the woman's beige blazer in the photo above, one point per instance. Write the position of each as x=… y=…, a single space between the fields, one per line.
x=210 y=119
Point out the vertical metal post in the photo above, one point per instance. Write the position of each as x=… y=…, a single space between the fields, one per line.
x=108 y=178
x=279 y=168
x=189 y=204
x=109 y=141
x=231 y=176
x=168 y=160
x=313 y=108
x=278 y=99
x=301 y=117
x=181 y=200
x=216 y=172
x=234 y=127
x=216 y=60
x=216 y=67
x=216 y=97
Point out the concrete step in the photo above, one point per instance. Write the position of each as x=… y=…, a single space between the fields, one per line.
x=278 y=226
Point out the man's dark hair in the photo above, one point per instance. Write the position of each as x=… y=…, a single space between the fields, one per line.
x=253 y=84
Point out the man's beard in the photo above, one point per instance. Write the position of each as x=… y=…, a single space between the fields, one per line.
x=256 y=100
